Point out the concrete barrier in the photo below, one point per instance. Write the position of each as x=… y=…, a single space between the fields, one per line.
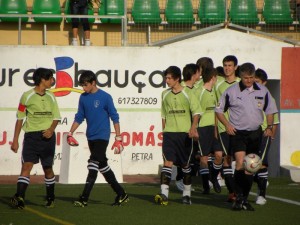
x=292 y=171
x=73 y=169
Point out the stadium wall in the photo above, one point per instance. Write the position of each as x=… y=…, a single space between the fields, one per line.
x=133 y=76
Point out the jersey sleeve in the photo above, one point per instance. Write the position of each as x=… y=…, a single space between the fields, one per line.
x=21 y=112
x=56 y=111
x=80 y=115
x=112 y=111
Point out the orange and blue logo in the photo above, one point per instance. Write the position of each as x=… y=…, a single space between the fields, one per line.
x=64 y=84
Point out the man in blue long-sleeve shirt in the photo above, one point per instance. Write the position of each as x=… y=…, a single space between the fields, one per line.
x=97 y=107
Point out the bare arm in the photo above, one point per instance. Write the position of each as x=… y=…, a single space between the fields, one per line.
x=193 y=133
x=269 y=131
x=49 y=132
x=74 y=127
x=15 y=144
x=117 y=129
x=229 y=128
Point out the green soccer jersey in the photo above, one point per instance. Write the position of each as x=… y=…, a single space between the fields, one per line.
x=207 y=101
x=220 y=88
x=39 y=111
x=178 y=108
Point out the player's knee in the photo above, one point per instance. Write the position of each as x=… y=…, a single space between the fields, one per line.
x=93 y=174
x=187 y=175
x=165 y=176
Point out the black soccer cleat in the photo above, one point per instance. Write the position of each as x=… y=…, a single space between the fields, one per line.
x=81 y=202
x=17 y=202
x=186 y=200
x=50 y=203
x=120 y=199
x=216 y=186
x=247 y=207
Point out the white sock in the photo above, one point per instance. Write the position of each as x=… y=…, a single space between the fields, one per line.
x=87 y=42
x=187 y=190
x=165 y=190
x=74 y=42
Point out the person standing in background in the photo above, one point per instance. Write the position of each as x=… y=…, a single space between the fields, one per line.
x=80 y=7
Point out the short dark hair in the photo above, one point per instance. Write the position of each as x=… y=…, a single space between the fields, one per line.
x=209 y=74
x=204 y=63
x=261 y=74
x=87 y=76
x=174 y=71
x=41 y=73
x=189 y=70
x=220 y=70
x=247 y=68
x=231 y=58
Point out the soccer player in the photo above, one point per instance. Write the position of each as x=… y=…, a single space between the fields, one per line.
x=206 y=130
x=97 y=108
x=203 y=63
x=178 y=107
x=261 y=177
x=247 y=103
x=191 y=74
x=39 y=109
x=230 y=65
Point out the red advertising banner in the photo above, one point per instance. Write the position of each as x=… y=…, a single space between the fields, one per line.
x=290 y=78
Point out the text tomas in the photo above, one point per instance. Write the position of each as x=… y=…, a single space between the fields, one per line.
x=129 y=139
x=105 y=78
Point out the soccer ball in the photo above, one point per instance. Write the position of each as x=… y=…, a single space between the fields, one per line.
x=252 y=163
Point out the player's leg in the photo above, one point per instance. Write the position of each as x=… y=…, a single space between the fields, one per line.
x=187 y=181
x=262 y=174
x=239 y=146
x=47 y=151
x=204 y=173
x=179 y=179
x=29 y=158
x=18 y=200
x=169 y=148
x=205 y=146
x=93 y=167
x=215 y=170
x=253 y=143
x=165 y=180
x=98 y=152
x=227 y=170
x=110 y=178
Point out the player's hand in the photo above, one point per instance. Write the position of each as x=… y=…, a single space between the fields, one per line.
x=14 y=146
x=268 y=133
x=118 y=145
x=230 y=129
x=71 y=140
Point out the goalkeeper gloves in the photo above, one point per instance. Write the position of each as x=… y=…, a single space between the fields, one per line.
x=118 y=145
x=71 y=140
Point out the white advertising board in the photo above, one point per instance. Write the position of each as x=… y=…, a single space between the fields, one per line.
x=132 y=75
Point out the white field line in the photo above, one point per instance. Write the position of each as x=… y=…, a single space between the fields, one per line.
x=279 y=199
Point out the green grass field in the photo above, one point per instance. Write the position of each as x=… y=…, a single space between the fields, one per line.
x=282 y=208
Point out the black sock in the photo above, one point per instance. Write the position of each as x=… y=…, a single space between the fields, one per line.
x=22 y=185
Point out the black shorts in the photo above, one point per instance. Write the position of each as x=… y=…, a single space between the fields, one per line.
x=264 y=150
x=98 y=151
x=177 y=148
x=207 y=142
x=247 y=141
x=36 y=148
x=223 y=143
